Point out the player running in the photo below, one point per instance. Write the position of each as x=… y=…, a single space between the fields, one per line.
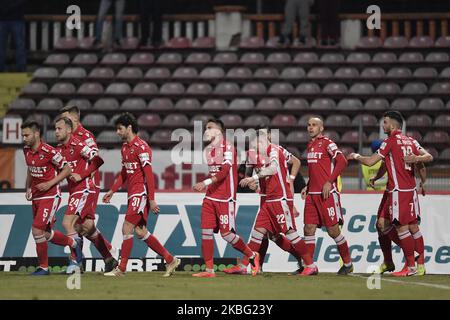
x=84 y=135
x=42 y=186
x=80 y=214
x=219 y=204
x=254 y=163
x=276 y=213
x=401 y=206
x=137 y=171
x=322 y=200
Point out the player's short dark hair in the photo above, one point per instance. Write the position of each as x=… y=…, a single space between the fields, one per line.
x=70 y=109
x=66 y=120
x=395 y=115
x=218 y=122
x=32 y=124
x=127 y=119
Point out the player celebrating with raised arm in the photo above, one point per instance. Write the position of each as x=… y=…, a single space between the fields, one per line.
x=137 y=171
x=276 y=213
x=322 y=201
x=42 y=188
x=83 y=197
x=218 y=208
x=400 y=154
x=255 y=162
x=73 y=113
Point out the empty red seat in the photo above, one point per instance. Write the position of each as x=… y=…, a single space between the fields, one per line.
x=204 y=43
x=242 y=104
x=162 y=136
x=198 y=58
x=307 y=88
x=108 y=136
x=157 y=73
x=129 y=43
x=281 y=88
x=251 y=43
x=388 y=88
x=445 y=73
x=376 y=104
x=425 y=72
x=373 y=73
x=331 y=134
x=63 y=88
x=253 y=88
x=35 y=88
x=231 y=120
x=149 y=120
x=298 y=137
x=415 y=88
x=303 y=121
x=170 y=58
x=118 y=88
x=215 y=104
x=266 y=73
x=212 y=73
x=172 y=88
x=178 y=43
x=184 y=72
x=49 y=104
x=176 y=120
x=269 y=104
x=278 y=57
x=199 y=88
x=239 y=72
x=399 y=72
x=22 y=104
x=73 y=73
x=225 y=57
x=437 y=57
x=319 y=73
x=227 y=88
x=352 y=137
x=114 y=59
x=421 y=42
x=257 y=120
x=335 y=88
x=252 y=57
x=414 y=134
x=66 y=43
x=283 y=120
x=403 y=104
x=141 y=59
x=362 y=88
x=94 y=120
x=358 y=57
x=443 y=42
x=145 y=88
x=101 y=73
x=349 y=104
x=200 y=117
x=431 y=104
x=444 y=155
x=332 y=58
x=346 y=73
x=367 y=120
x=395 y=42
x=130 y=73
x=85 y=59
x=436 y=137
x=442 y=120
x=384 y=57
x=45 y=73
x=57 y=59
x=187 y=103
x=337 y=120
x=296 y=104
x=106 y=104
x=440 y=88
x=133 y=104
x=293 y=73
x=90 y=88
x=323 y=104
x=419 y=121
x=160 y=104
x=372 y=42
x=411 y=57
x=306 y=57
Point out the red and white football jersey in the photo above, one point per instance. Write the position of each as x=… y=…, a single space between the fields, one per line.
x=393 y=150
x=216 y=157
x=321 y=153
x=135 y=156
x=43 y=165
x=277 y=185
x=87 y=137
x=257 y=162
x=78 y=155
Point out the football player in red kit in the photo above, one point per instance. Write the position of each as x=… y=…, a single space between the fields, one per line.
x=83 y=197
x=137 y=171
x=219 y=204
x=321 y=195
x=276 y=214
x=46 y=169
x=401 y=206
x=255 y=162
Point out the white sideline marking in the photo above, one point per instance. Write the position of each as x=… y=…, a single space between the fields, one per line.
x=438 y=286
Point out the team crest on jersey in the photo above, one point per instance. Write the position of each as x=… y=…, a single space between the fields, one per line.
x=32 y=162
x=71 y=151
x=41 y=157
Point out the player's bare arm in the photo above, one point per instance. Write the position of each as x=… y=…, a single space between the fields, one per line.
x=421 y=171
x=95 y=162
x=121 y=178
x=63 y=174
x=423 y=157
x=265 y=172
x=28 y=194
x=368 y=161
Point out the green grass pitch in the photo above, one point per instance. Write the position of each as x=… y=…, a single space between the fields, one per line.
x=151 y=285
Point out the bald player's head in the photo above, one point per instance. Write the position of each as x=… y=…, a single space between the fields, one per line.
x=315 y=126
